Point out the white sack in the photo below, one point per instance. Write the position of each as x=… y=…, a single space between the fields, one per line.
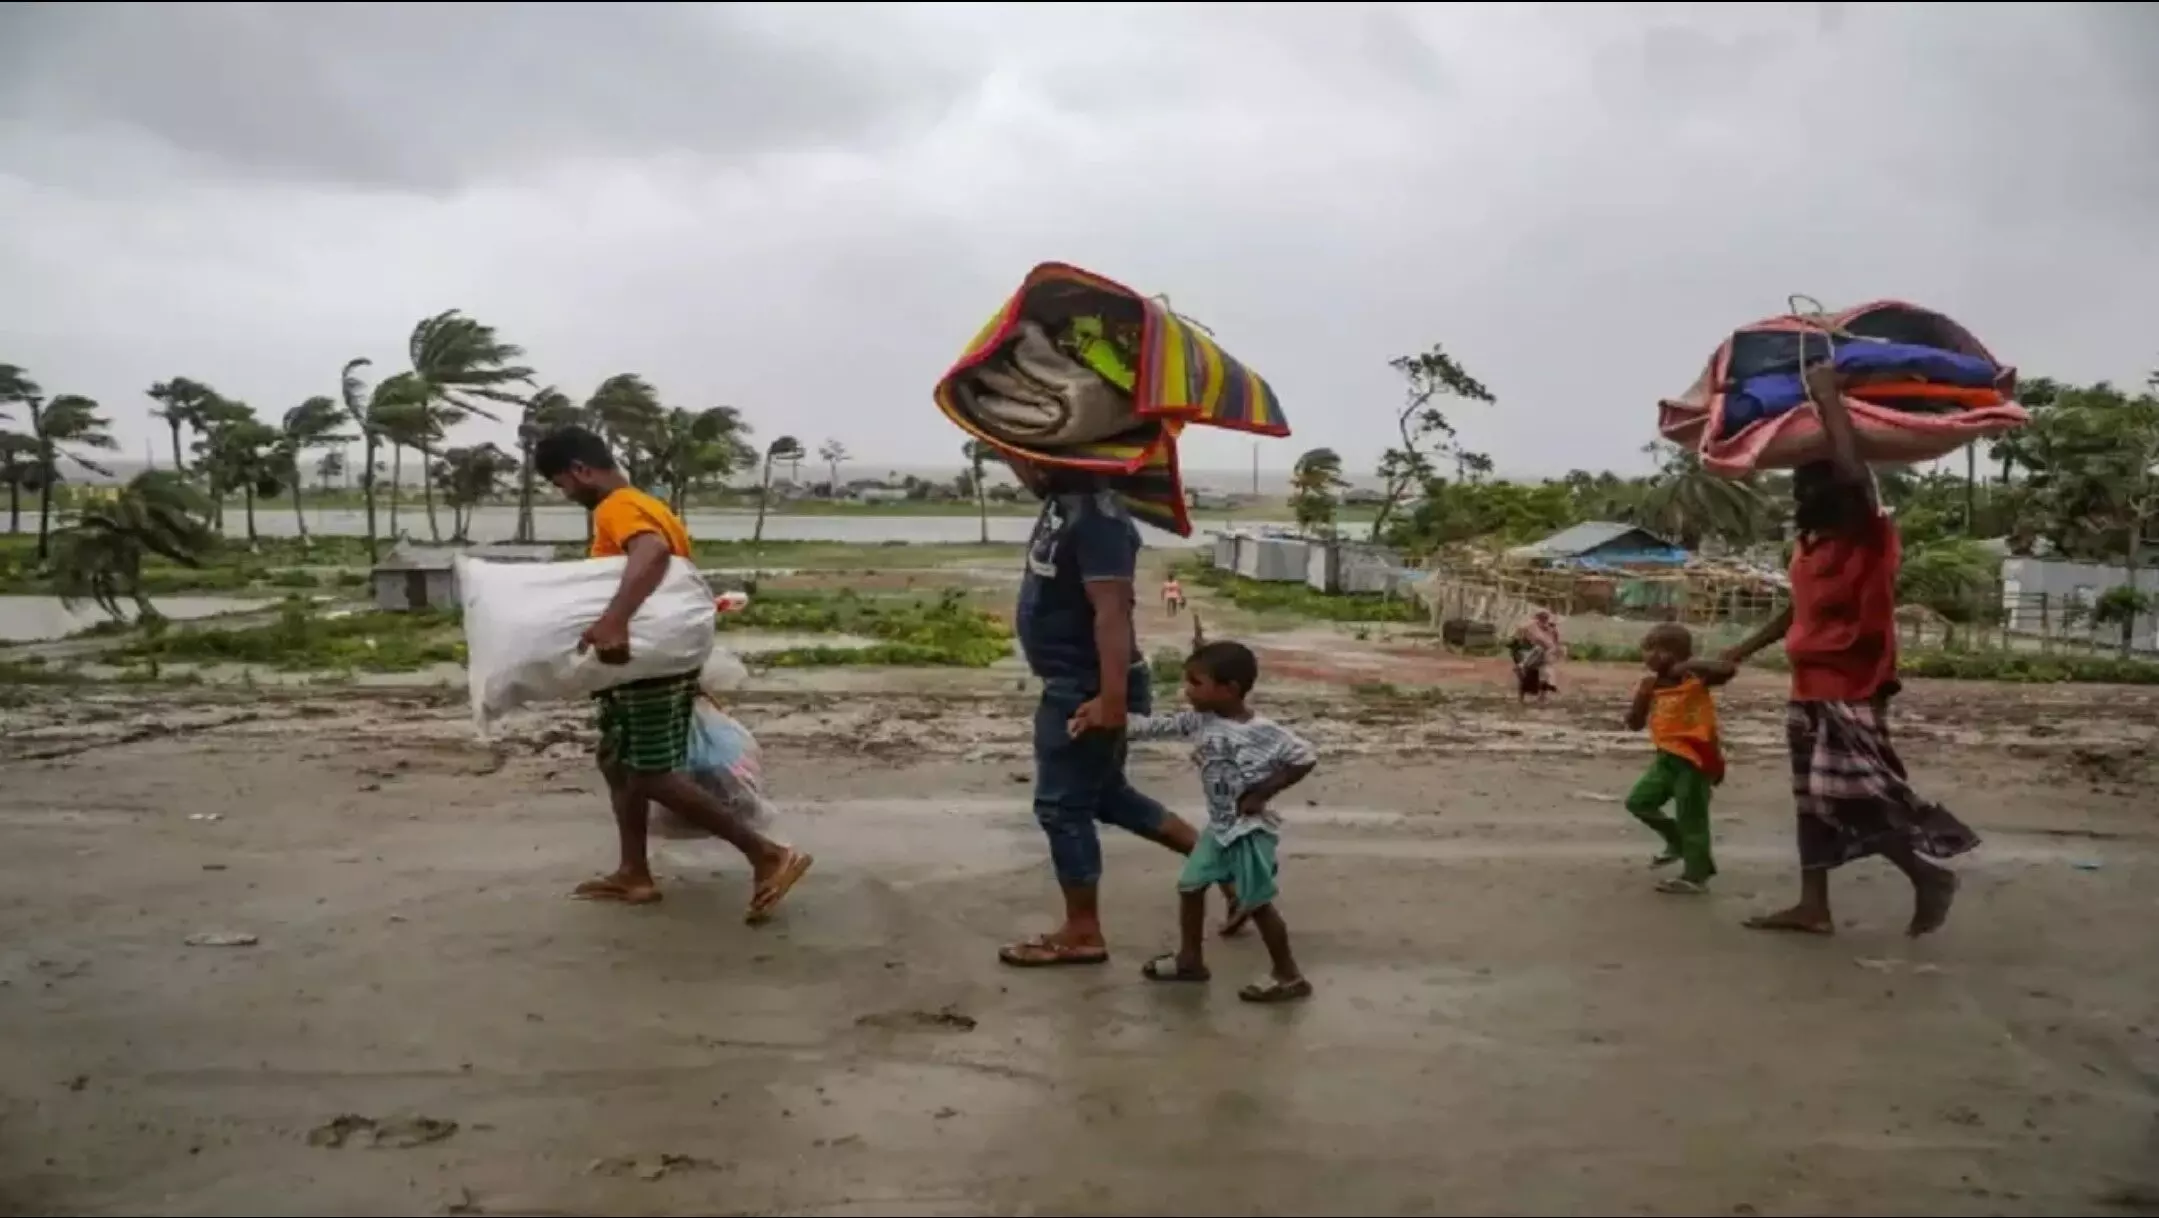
x=724 y=672
x=522 y=622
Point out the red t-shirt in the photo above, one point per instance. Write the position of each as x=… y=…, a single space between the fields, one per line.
x=1843 y=640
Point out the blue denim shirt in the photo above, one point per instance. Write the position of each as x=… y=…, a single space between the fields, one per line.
x=1078 y=539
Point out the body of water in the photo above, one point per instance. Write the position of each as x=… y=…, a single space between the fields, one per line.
x=558 y=523
x=31 y=619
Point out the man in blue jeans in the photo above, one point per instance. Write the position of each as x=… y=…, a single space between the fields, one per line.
x=1075 y=626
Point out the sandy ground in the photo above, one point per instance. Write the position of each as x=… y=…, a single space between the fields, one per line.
x=1508 y=1020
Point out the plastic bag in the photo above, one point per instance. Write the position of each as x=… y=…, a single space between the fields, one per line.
x=724 y=672
x=725 y=760
x=522 y=622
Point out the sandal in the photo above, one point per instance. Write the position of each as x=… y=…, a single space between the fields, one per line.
x=1045 y=952
x=1165 y=967
x=1680 y=886
x=775 y=888
x=1273 y=990
x=615 y=889
x=1785 y=923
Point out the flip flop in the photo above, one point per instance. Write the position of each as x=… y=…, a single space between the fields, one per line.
x=1680 y=886
x=1779 y=925
x=766 y=900
x=1045 y=952
x=1165 y=968
x=1271 y=990
x=608 y=888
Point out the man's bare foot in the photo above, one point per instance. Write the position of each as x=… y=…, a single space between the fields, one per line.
x=1931 y=899
x=1796 y=920
x=623 y=888
x=775 y=880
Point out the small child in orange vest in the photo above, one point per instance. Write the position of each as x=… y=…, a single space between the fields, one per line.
x=1172 y=595
x=1674 y=703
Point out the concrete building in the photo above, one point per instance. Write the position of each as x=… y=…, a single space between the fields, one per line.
x=2054 y=597
x=425 y=577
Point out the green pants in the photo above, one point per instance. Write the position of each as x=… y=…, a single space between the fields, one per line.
x=1674 y=780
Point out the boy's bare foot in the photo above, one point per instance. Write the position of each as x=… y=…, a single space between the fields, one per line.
x=1796 y=920
x=622 y=888
x=1931 y=899
x=774 y=881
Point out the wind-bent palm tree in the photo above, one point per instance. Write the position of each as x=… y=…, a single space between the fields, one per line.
x=181 y=404
x=626 y=409
x=469 y=477
x=100 y=555
x=1688 y=502
x=979 y=456
x=403 y=421
x=1313 y=483
x=834 y=454
x=239 y=452
x=18 y=468
x=546 y=410
x=61 y=427
x=460 y=368
x=311 y=425
x=692 y=446
x=353 y=392
x=786 y=448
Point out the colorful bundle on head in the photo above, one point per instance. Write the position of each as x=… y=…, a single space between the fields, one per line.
x=1080 y=372
x=1917 y=386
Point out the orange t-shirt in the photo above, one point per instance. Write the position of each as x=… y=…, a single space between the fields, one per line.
x=1683 y=722
x=626 y=513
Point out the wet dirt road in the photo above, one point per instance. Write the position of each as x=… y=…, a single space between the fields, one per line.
x=1507 y=1019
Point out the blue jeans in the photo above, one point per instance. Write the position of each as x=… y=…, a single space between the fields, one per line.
x=1079 y=782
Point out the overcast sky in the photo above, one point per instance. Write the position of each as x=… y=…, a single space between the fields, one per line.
x=804 y=210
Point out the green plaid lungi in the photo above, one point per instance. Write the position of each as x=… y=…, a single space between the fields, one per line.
x=645 y=725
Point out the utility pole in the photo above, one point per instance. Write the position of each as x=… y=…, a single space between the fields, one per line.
x=1255 y=469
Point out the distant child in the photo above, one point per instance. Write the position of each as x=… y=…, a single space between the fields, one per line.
x=1674 y=703
x=1245 y=760
x=1172 y=595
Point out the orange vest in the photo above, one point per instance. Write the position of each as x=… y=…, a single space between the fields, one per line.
x=1683 y=722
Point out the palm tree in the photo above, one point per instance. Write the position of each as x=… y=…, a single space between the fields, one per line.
x=403 y=421
x=18 y=468
x=18 y=451
x=330 y=469
x=1313 y=483
x=180 y=403
x=61 y=426
x=545 y=411
x=358 y=407
x=834 y=454
x=786 y=448
x=1688 y=502
x=239 y=452
x=979 y=456
x=469 y=477
x=626 y=409
x=310 y=425
x=100 y=555
x=692 y=446
x=459 y=365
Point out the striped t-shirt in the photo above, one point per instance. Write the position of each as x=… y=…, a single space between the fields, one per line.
x=1233 y=757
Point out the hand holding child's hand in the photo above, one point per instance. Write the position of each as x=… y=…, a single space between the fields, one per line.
x=1097 y=715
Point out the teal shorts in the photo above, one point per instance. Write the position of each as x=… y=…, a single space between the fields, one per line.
x=1248 y=863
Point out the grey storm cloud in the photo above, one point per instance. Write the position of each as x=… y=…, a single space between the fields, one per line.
x=804 y=209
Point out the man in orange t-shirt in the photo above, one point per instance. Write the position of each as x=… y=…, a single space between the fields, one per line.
x=645 y=725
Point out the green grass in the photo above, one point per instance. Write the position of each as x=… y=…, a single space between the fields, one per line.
x=1299 y=600
x=2012 y=667
x=302 y=639
x=944 y=631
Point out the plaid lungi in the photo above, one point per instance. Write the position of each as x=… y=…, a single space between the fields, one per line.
x=1853 y=796
x=645 y=725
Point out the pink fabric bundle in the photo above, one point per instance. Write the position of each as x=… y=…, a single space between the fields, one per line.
x=1891 y=425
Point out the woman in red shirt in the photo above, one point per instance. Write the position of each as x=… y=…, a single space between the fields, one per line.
x=1840 y=634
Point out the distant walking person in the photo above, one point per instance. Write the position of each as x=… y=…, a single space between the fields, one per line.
x=1173 y=596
